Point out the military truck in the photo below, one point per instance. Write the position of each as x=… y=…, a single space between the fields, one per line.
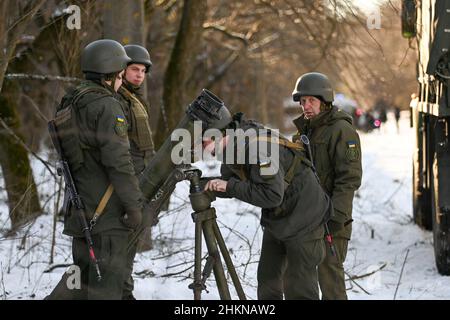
x=427 y=24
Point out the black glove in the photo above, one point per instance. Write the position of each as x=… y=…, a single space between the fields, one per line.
x=132 y=219
x=335 y=226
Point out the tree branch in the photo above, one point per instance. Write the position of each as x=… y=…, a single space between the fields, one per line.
x=45 y=163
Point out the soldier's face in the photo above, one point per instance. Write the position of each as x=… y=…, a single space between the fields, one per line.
x=118 y=81
x=209 y=146
x=135 y=74
x=310 y=105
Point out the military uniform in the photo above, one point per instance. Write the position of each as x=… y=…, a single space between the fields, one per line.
x=95 y=141
x=141 y=149
x=294 y=209
x=336 y=153
x=139 y=132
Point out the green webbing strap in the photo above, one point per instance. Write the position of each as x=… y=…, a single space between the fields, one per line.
x=283 y=142
x=291 y=172
x=87 y=89
x=296 y=148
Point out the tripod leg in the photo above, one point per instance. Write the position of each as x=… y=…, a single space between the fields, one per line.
x=228 y=262
x=213 y=251
x=197 y=286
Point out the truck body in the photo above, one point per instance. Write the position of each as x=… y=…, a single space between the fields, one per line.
x=427 y=23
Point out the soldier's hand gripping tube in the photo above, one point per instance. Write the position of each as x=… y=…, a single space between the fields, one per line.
x=64 y=170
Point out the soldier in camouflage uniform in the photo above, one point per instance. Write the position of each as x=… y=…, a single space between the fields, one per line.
x=294 y=210
x=93 y=132
x=140 y=137
x=336 y=153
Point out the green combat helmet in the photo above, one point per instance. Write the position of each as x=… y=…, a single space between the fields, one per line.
x=313 y=84
x=139 y=55
x=104 y=57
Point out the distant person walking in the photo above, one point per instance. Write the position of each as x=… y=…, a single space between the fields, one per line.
x=397 y=117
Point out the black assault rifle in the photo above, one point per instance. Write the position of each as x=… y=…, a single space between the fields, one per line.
x=64 y=170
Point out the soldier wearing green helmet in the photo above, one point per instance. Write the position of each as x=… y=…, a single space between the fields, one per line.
x=140 y=135
x=93 y=132
x=336 y=152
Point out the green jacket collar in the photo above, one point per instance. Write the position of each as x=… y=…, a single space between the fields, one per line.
x=132 y=88
x=324 y=118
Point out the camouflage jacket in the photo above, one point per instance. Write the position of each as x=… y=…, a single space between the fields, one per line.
x=99 y=156
x=336 y=153
x=297 y=208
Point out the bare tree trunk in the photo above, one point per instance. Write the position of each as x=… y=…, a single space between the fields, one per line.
x=261 y=90
x=10 y=33
x=23 y=201
x=180 y=67
x=124 y=23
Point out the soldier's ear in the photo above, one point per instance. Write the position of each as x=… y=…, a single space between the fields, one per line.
x=238 y=116
x=325 y=106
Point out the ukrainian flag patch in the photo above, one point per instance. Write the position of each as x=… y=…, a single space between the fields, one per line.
x=121 y=127
x=352 y=152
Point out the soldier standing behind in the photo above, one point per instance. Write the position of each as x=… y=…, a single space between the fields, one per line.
x=397 y=117
x=93 y=134
x=140 y=136
x=337 y=157
x=294 y=210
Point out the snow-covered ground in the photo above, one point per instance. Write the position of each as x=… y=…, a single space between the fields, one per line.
x=383 y=234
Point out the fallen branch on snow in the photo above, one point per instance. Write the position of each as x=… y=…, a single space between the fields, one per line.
x=50 y=269
x=366 y=274
x=401 y=273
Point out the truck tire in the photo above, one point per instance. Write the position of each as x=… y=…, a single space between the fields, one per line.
x=421 y=197
x=441 y=229
x=420 y=201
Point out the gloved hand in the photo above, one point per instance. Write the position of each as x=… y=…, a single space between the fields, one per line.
x=132 y=219
x=335 y=226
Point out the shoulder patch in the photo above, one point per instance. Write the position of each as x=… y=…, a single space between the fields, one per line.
x=352 y=152
x=121 y=126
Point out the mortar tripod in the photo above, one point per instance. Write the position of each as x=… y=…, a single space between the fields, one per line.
x=204 y=217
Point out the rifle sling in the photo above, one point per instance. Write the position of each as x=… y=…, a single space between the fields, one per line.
x=102 y=204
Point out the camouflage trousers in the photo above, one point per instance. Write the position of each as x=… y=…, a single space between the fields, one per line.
x=111 y=254
x=289 y=268
x=331 y=272
x=143 y=244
